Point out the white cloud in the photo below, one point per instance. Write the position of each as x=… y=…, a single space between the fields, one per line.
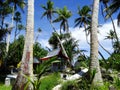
x=43 y=39
x=79 y=34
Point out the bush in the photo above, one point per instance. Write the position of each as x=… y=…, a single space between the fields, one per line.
x=114 y=61
x=117 y=83
x=70 y=85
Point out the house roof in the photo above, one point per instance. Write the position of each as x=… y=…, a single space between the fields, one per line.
x=56 y=52
x=35 y=60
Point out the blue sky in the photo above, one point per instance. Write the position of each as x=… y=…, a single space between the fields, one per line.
x=77 y=33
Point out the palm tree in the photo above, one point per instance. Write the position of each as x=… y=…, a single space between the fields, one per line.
x=49 y=12
x=114 y=7
x=69 y=43
x=105 y=2
x=71 y=48
x=115 y=44
x=84 y=19
x=39 y=30
x=17 y=19
x=111 y=35
x=27 y=58
x=63 y=15
x=14 y=4
x=94 y=63
x=5 y=10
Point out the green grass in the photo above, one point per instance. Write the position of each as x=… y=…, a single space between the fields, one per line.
x=50 y=81
x=3 y=87
x=47 y=83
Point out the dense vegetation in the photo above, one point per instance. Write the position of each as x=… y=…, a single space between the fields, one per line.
x=22 y=46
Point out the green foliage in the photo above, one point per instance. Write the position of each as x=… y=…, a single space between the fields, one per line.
x=114 y=61
x=117 y=83
x=70 y=85
x=48 y=82
x=3 y=32
x=3 y=87
x=38 y=51
x=53 y=41
x=41 y=70
x=71 y=47
x=2 y=50
x=49 y=10
x=84 y=17
x=15 y=51
x=70 y=44
x=44 y=67
x=63 y=16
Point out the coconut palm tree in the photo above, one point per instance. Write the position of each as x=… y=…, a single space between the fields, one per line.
x=27 y=58
x=69 y=43
x=114 y=7
x=115 y=44
x=111 y=9
x=39 y=30
x=111 y=35
x=94 y=63
x=84 y=19
x=63 y=16
x=14 y=4
x=71 y=48
x=5 y=10
x=49 y=12
x=105 y=3
x=17 y=19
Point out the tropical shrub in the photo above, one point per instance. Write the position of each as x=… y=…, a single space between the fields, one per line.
x=114 y=61
x=70 y=85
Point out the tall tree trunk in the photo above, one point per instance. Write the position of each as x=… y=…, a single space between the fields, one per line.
x=27 y=58
x=9 y=34
x=94 y=64
x=16 y=31
x=86 y=34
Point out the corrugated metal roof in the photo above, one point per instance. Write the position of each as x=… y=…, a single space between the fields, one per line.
x=53 y=53
x=35 y=60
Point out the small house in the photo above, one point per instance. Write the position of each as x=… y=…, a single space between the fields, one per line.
x=60 y=56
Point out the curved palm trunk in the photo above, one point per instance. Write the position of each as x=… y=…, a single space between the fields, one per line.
x=9 y=34
x=8 y=39
x=116 y=36
x=86 y=34
x=94 y=64
x=62 y=47
x=27 y=58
